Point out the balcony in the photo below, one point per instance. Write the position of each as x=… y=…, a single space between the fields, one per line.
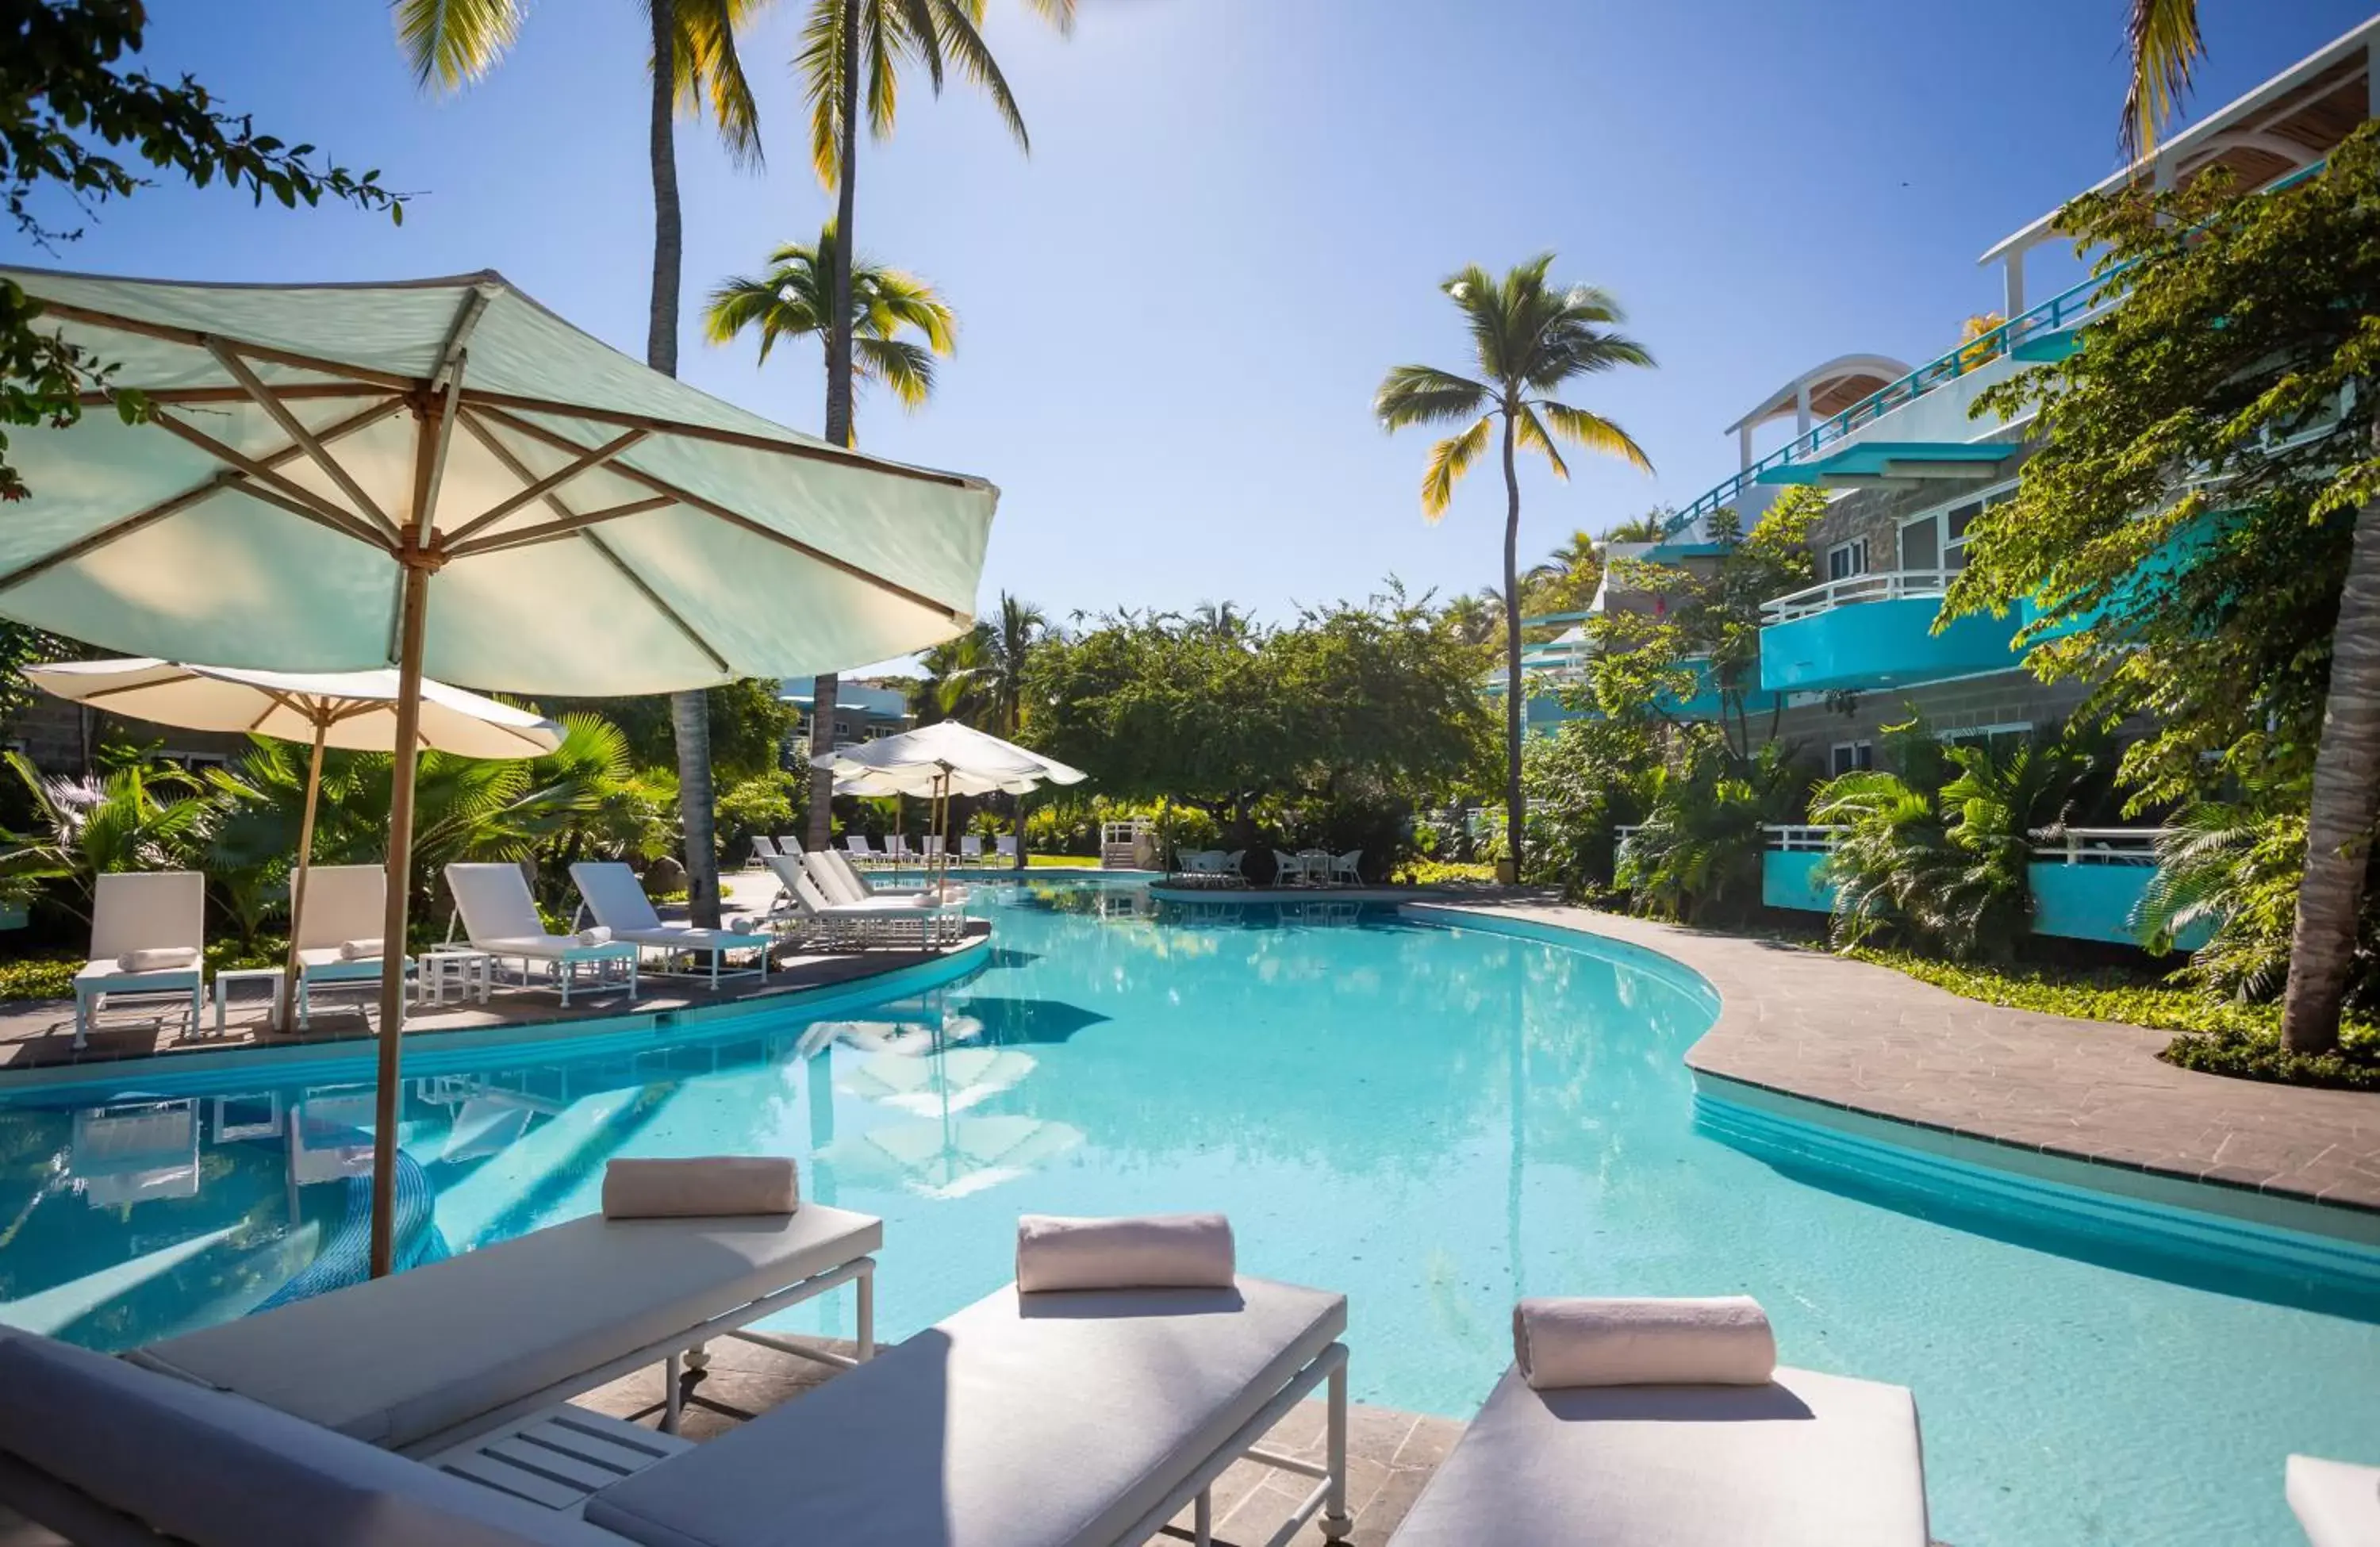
x=1876 y=630
x=1703 y=703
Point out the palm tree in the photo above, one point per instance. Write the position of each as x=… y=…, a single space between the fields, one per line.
x=792 y=300
x=453 y=42
x=1528 y=339
x=1566 y=580
x=2165 y=44
x=942 y=36
x=1651 y=526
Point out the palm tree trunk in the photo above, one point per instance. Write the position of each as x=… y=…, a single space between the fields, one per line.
x=689 y=712
x=838 y=399
x=2344 y=805
x=1514 y=817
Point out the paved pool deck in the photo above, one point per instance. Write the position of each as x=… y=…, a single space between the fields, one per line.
x=1867 y=1039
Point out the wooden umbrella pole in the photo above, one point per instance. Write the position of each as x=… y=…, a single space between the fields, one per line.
x=305 y=865
x=412 y=617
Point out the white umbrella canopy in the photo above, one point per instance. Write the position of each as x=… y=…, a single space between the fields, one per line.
x=943 y=760
x=353 y=710
x=443 y=477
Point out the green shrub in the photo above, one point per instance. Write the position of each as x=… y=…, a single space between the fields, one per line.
x=2354 y=1064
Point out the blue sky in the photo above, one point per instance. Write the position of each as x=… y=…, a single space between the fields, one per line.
x=1233 y=220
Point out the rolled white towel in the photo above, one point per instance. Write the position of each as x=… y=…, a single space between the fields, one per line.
x=159 y=958
x=1143 y=1251
x=705 y=1185
x=360 y=950
x=1722 y=1342
x=597 y=935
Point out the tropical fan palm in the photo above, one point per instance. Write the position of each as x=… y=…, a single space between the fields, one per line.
x=1528 y=339
x=1890 y=862
x=795 y=298
x=134 y=819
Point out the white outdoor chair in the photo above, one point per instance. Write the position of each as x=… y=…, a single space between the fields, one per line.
x=347 y=908
x=1233 y=865
x=933 y=847
x=861 y=851
x=845 y=925
x=896 y=849
x=497 y=915
x=142 y=912
x=786 y=844
x=761 y=848
x=1005 y=846
x=970 y=848
x=840 y=881
x=1288 y=870
x=610 y=892
x=1348 y=867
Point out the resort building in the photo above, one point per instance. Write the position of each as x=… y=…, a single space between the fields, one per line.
x=1908 y=468
x=863 y=710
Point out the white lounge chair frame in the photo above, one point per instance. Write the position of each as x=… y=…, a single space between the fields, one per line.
x=856 y=845
x=1004 y=845
x=498 y=917
x=848 y=884
x=858 y=925
x=142 y=911
x=343 y=903
x=896 y=849
x=611 y=893
x=970 y=848
x=761 y=848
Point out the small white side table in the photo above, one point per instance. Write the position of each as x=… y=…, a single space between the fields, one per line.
x=466 y=970
x=224 y=980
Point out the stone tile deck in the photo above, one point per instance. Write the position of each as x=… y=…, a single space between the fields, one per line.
x=1875 y=1041
x=1390 y=1454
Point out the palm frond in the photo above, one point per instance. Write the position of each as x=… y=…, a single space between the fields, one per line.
x=1594 y=432
x=906 y=367
x=1424 y=394
x=705 y=65
x=1532 y=435
x=817 y=61
x=2165 y=43
x=453 y=42
x=1449 y=460
x=972 y=58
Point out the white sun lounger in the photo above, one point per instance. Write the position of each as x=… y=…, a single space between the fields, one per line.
x=610 y=892
x=499 y=916
x=856 y=845
x=857 y=924
x=933 y=846
x=839 y=881
x=344 y=903
x=789 y=845
x=1088 y=1420
x=1807 y=1460
x=2336 y=1502
x=896 y=849
x=970 y=848
x=761 y=848
x=1005 y=845
x=142 y=911
x=421 y=1360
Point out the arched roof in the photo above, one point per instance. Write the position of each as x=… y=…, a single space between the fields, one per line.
x=1834 y=386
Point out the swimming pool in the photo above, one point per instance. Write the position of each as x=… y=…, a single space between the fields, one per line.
x=1436 y=1120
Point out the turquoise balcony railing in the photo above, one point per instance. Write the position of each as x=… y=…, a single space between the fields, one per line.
x=1703 y=703
x=1875 y=632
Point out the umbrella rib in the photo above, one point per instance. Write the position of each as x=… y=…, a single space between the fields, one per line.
x=585 y=462
x=198 y=339
x=495 y=402
x=553 y=532
x=453 y=358
x=720 y=512
x=321 y=509
x=214 y=483
x=660 y=606
x=503 y=454
x=295 y=430
x=294 y=391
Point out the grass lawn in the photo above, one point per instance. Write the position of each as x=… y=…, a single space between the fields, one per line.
x=1061 y=863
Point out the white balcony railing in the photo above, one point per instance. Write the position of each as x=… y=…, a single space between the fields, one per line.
x=2097 y=845
x=1883 y=586
x=1802 y=838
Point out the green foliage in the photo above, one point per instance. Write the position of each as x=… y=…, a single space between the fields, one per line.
x=796 y=299
x=1442 y=872
x=1350 y=707
x=2353 y=1065
x=979 y=678
x=2234 y=867
x=70 y=102
x=765 y=805
x=2207 y=618
x=1947 y=869
x=751 y=728
x=1696 y=858
x=134 y=818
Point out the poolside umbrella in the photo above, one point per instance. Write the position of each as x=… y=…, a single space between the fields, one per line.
x=353 y=710
x=443 y=477
x=945 y=758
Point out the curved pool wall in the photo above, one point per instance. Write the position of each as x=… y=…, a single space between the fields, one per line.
x=1435 y=1111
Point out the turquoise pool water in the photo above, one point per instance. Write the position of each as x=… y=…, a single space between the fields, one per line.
x=1434 y=1120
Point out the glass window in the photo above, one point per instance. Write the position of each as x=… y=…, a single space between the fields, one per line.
x=1920 y=545
x=1852 y=757
x=1847 y=559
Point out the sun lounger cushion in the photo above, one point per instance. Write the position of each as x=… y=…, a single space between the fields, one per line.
x=160 y=958
x=397 y=1360
x=2336 y=1502
x=691 y=939
x=360 y=950
x=1044 y=1421
x=1808 y=1460
x=1562 y=1342
x=1152 y=1251
x=219 y=1470
x=707 y=1186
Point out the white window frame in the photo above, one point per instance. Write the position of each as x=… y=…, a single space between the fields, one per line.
x=1939 y=519
x=1980 y=733
x=1854 y=765
x=1856 y=546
